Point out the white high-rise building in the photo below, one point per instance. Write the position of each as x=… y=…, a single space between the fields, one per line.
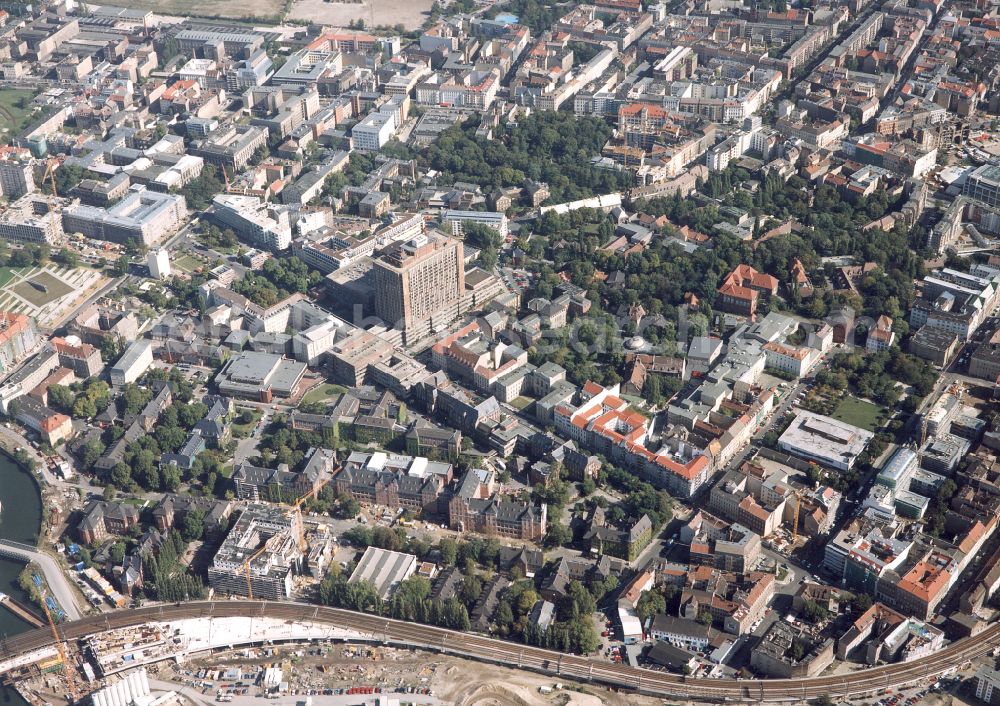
x=159 y=263
x=16 y=178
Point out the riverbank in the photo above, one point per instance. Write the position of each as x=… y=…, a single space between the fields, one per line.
x=20 y=521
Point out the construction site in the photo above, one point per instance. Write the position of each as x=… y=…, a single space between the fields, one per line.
x=266 y=549
x=328 y=674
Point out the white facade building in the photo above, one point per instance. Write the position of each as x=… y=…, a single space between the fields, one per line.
x=374 y=131
x=260 y=224
x=159 y=263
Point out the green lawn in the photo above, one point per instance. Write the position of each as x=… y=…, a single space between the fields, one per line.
x=858 y=412
x=322 y=393
x=521 y=402
x=6 y=275
x=241 y=431
x=14 y=118
x=42 y=289
x=187 y=263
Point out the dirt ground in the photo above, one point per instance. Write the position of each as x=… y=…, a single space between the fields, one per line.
x=948 y=700
x=233 y=9
x=375 y=13
x=452 y=680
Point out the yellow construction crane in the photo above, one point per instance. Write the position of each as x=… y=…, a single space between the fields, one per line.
x=297 y=508
x=50 y=175
x=60 y=647
x=246 y=566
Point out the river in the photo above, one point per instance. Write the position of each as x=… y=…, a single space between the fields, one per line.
x=20 y=520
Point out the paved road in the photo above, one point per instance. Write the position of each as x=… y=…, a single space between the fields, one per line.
x=397 y=632
x=194 y=696
x=12 y=438
x=247 y=448
x=62 y=589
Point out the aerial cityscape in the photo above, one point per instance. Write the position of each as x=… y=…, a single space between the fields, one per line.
x=500 y=352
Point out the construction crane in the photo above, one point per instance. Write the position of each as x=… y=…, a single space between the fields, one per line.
x=297 y=508
x=59 y=643
x=50 y=175
x=795 y=520
x=300 y=538
x=246 y=565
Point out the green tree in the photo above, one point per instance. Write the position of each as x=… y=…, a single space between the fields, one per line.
x=649 y=604
x=471 y=589
x=92 y=451
x=121 y=476
x=449 y=551
x=117 y=553
x=860 y=603
x=67 y=176
x=67 y=257
x=170 y=478
x=84 y=408
x=558 y=535
x=61 y=398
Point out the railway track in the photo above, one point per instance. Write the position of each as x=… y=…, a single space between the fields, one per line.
x=510 y=654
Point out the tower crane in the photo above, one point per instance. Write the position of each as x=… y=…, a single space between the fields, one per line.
x=297 y=507
x=795 y=520
x=296 y=510
x=246 y=564
x=50 y=175
x=59 y=643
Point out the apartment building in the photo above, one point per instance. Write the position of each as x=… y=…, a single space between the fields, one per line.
x=419 y=284
x=16 y=178
x=496 y=515
x=794 y=360
x=742 y=288
x=31 y=220
x=456 y=220
x=231 y=148
x=239 y=555
x=257 y=222
x=604 y=423
x=82 y=358
x=18 y=338
x=281 y=108
x=103 y=519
